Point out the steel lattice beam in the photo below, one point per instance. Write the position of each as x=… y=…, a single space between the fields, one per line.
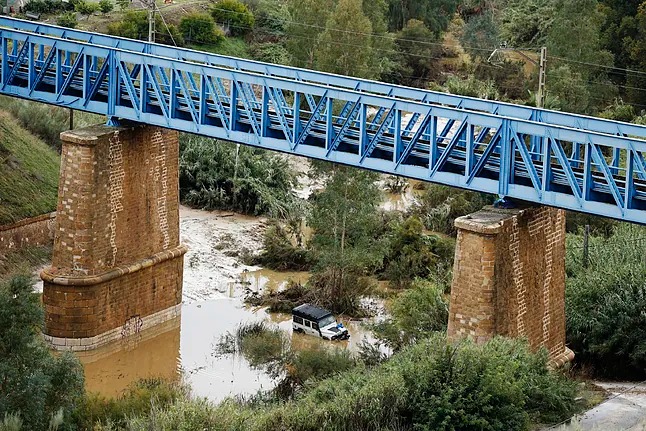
x=567 y=161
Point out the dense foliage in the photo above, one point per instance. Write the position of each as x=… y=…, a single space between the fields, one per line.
x=430 y=386
x=133 y=24
x=38 y=388
x=226 y=176
x=605 y=302
x=234 y=15
x=200 y=28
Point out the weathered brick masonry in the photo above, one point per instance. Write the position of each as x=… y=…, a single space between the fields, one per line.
x=117 y=261
x=34 y=231
x=509 y=277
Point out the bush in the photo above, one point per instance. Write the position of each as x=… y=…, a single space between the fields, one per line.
x=106 y=6
x=221 y=175
x=280 y=254
x=271 y=52
x=86 y=8
x=44 y=6
x=200 y=28
x=433 y=385
x=68 y=19
x=35 y=386
x=605 y=303
x=134 y=25
x=439 y=206
x=234 y=15
x=261 y=345
x=413 y=254
x=414 y=314
x=136 y=400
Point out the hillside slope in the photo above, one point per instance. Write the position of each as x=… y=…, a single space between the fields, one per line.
x=28 y=173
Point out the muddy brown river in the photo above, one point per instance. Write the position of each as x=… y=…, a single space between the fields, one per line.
x=213 y=293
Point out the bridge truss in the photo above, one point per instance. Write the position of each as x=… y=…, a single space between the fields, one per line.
x=545 y=157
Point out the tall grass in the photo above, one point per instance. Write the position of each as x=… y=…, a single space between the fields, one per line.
x=605 y=302
x=433 y=385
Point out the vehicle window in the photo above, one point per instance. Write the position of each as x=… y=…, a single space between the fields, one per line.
x=298 y=320
x=315 y=325
x=307 y=323
x=326 y=321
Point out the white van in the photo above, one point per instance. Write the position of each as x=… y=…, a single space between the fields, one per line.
x=314 y=320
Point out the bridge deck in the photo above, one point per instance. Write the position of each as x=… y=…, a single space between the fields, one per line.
x=552 y=158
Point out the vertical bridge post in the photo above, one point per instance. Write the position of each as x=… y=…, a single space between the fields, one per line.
x=509 y=278
x=117 y=261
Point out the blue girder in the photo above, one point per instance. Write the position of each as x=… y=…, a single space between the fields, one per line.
x=563 y=160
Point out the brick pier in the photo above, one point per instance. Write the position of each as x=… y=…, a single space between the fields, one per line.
x=509 y=278
x=117 y=261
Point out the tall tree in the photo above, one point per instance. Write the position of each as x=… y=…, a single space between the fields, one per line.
x=345 y=243
x=416 y=57
x=436 y=14
x=346 y=45
x=307 y=22
x=33 y=384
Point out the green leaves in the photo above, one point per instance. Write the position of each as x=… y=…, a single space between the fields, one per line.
x=221 y=175
x=33 y=384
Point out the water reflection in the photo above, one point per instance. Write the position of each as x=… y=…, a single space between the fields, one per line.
x=151 y=353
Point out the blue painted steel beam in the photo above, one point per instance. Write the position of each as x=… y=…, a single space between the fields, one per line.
x=329 y=79
x=455 y=146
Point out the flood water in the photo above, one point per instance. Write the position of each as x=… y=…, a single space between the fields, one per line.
x=213 y=304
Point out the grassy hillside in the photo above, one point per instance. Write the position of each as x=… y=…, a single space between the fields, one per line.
x=28 y=173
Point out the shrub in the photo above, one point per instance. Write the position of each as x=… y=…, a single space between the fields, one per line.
x=261 y=345
x=68 y=19
x=106 y=6
x=413 y=254
x=271 y=52
x=233 y=14
x=86 y=8
x=35 y=385
x=200 y=28
x=44 y=6
x=414 y=314
x=136 y=400
x=606 y=324
x=221 y=175
x=134 y=25
x=439 y=206
x=280 y=254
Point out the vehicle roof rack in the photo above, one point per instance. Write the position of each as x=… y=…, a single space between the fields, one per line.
x=311 y=312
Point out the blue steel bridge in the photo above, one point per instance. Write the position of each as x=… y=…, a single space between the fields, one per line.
x=545 y=157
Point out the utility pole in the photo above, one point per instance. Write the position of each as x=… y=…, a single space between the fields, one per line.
x=150 y=4
x=586 y=246
x=542 y=69
x=542 y=65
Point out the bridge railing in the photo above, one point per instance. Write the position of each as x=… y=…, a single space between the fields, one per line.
x=328 y=79
x=579 y=169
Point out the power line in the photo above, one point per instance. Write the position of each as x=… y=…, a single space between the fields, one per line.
x=598 y=65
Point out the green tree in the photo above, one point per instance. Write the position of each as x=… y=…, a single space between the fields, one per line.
x=346 y=244
x=86 y=8
x=106 y=6
x=234 y=15
x=346 y=46
x=200 y=28
x=304 y=29
x=33 y=384
x=68 y=19
x=414 y=315
x=221 y=175
x=436 y=14
x=416 y=55
x=123 y=4
x=413 y=254
x=134 y=25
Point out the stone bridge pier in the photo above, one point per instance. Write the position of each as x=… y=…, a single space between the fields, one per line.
x=117 y=262
x=509 y=278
